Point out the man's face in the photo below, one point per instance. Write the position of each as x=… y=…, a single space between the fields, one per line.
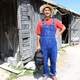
x=47 y=12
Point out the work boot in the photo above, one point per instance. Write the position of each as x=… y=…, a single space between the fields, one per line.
x=45 y=77
x=53 y=78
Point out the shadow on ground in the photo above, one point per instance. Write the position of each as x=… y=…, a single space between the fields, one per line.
x=38 y=73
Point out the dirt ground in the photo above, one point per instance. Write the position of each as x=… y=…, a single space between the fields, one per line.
x=68 y=66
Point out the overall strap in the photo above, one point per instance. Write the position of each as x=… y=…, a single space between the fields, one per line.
x=43 y=21
x=53 y=19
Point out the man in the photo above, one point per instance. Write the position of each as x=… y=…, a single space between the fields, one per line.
x=46 y=39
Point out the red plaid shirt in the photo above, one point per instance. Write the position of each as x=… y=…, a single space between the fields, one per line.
x=57 y=24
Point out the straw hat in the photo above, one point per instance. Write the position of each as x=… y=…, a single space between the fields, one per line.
x=45 y=6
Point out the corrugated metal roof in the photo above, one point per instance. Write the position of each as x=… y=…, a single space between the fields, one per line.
x=49 y=1
x=60 y=6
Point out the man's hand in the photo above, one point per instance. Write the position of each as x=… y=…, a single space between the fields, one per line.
x=60 y=33
x=37 y=48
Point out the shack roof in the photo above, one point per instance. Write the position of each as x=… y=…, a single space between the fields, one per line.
x=61 y=8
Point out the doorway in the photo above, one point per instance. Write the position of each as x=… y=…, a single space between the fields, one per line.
x=66 y=19
x=8 y=29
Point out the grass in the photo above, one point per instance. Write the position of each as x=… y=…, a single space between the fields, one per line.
x=22 y=70
x=23 y=73
x=60 y=58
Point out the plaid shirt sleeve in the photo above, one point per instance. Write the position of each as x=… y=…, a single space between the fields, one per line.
x=38 y=27
x=58 y=24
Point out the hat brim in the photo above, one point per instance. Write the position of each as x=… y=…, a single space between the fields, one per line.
x=46 y=6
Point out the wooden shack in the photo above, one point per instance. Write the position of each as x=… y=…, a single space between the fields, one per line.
x=18 y=19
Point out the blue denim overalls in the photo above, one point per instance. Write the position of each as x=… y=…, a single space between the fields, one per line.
x=49 y=47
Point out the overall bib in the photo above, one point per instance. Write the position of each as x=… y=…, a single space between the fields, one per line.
x=49 y=47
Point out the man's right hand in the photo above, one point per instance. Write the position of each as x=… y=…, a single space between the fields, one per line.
x=38 y=48
x=37 y=42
